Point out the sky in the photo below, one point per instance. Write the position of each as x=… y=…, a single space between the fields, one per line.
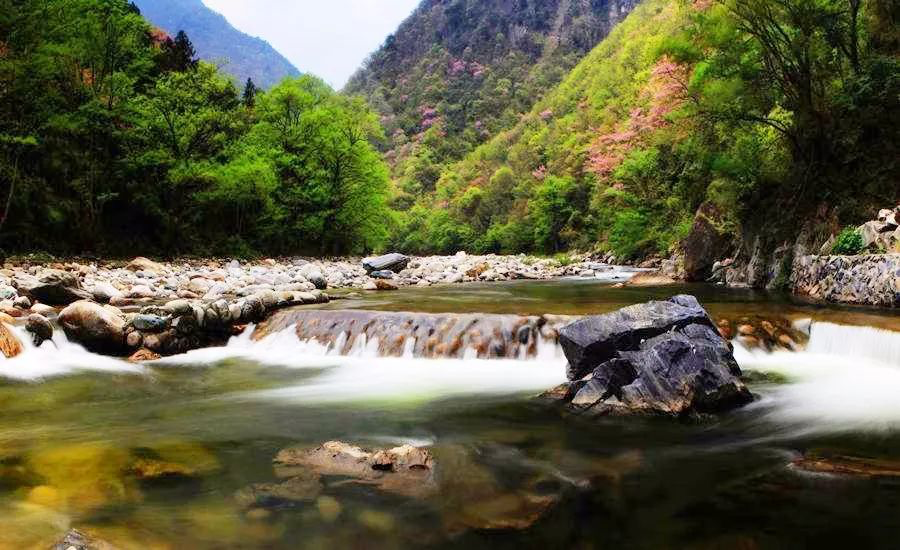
x=329 y=38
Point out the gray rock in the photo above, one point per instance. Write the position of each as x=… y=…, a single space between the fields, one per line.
x=53 y=287
x=105 y=292
x=22 y=302
x=382 y=274
x=594 y=340
x=672 y=362
x=8 y=293
x=40 y=328
x=150 y=323
x=178 y=307
x=394 y=262
x=317 y=279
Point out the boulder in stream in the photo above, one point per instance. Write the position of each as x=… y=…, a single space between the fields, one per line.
x=659 y=357
x=40 y=328
x=100 y=329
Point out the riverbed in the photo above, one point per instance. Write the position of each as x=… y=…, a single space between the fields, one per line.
x=72 y=425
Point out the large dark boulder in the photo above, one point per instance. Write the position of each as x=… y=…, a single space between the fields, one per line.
x=660 y=358
x=389 y=262
x=595 y=340
x=53 y=287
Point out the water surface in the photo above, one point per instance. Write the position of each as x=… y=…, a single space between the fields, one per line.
x=73 y=424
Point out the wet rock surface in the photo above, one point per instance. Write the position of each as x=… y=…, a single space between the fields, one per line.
x=98 y=328
x=842 y=465
x=657 y=358
x=39 y=327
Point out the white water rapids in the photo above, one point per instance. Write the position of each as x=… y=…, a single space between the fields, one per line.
x=848 y=378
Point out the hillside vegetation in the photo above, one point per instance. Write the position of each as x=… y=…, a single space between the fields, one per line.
x=710 y=125
x=763 y=110
x=239 y=54
x=457 y=72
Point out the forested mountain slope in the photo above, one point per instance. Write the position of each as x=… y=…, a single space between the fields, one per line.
x=688 y=104
x=458 y=71
x=217 y=41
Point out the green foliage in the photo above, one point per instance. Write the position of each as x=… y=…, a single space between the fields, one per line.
x=755 y=106
x=849 y=242
x=115 y=141
x=628 y=236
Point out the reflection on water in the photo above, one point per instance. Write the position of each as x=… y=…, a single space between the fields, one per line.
x=152 y=457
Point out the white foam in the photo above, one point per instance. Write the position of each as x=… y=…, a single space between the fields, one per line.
x=57 y=357
x=848 y=379
x=362 y=375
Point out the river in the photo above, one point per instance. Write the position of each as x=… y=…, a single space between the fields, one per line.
x=72 y=425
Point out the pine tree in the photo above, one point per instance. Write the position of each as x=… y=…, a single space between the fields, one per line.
x=250 y=91
x=180 y=55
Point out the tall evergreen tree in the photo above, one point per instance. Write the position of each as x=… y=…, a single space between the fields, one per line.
x=250 y=91
x=179 y=54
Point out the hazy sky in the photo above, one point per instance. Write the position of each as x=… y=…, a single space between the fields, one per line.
x=329 y=38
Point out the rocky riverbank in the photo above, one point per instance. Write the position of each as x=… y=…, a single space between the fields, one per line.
x=153 y=308
x=143 y=281
x=872 y=279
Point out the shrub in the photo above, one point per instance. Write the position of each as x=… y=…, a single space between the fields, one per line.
x=629 y=234
x=848 y=243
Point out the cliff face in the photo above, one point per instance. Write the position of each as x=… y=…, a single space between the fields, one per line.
x=217 y=41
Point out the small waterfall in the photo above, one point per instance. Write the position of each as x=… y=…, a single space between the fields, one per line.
x=56 y=357
x=847 y=379
x=356 y=333
x=871 y=343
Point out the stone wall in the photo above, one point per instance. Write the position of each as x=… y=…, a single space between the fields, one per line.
x=872 y=279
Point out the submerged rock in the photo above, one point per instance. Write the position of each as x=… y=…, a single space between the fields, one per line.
x=148 y=469
x=660 y=357
x=77 y=540
x=301 y=488
x=404 y=470
x=847 y=466
x=144 y=355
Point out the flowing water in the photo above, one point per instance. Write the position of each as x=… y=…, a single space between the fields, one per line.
x=72 y=426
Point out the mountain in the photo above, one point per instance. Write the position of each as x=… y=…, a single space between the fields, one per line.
x=682 y=134
x=217 y=41
x=456 y=72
